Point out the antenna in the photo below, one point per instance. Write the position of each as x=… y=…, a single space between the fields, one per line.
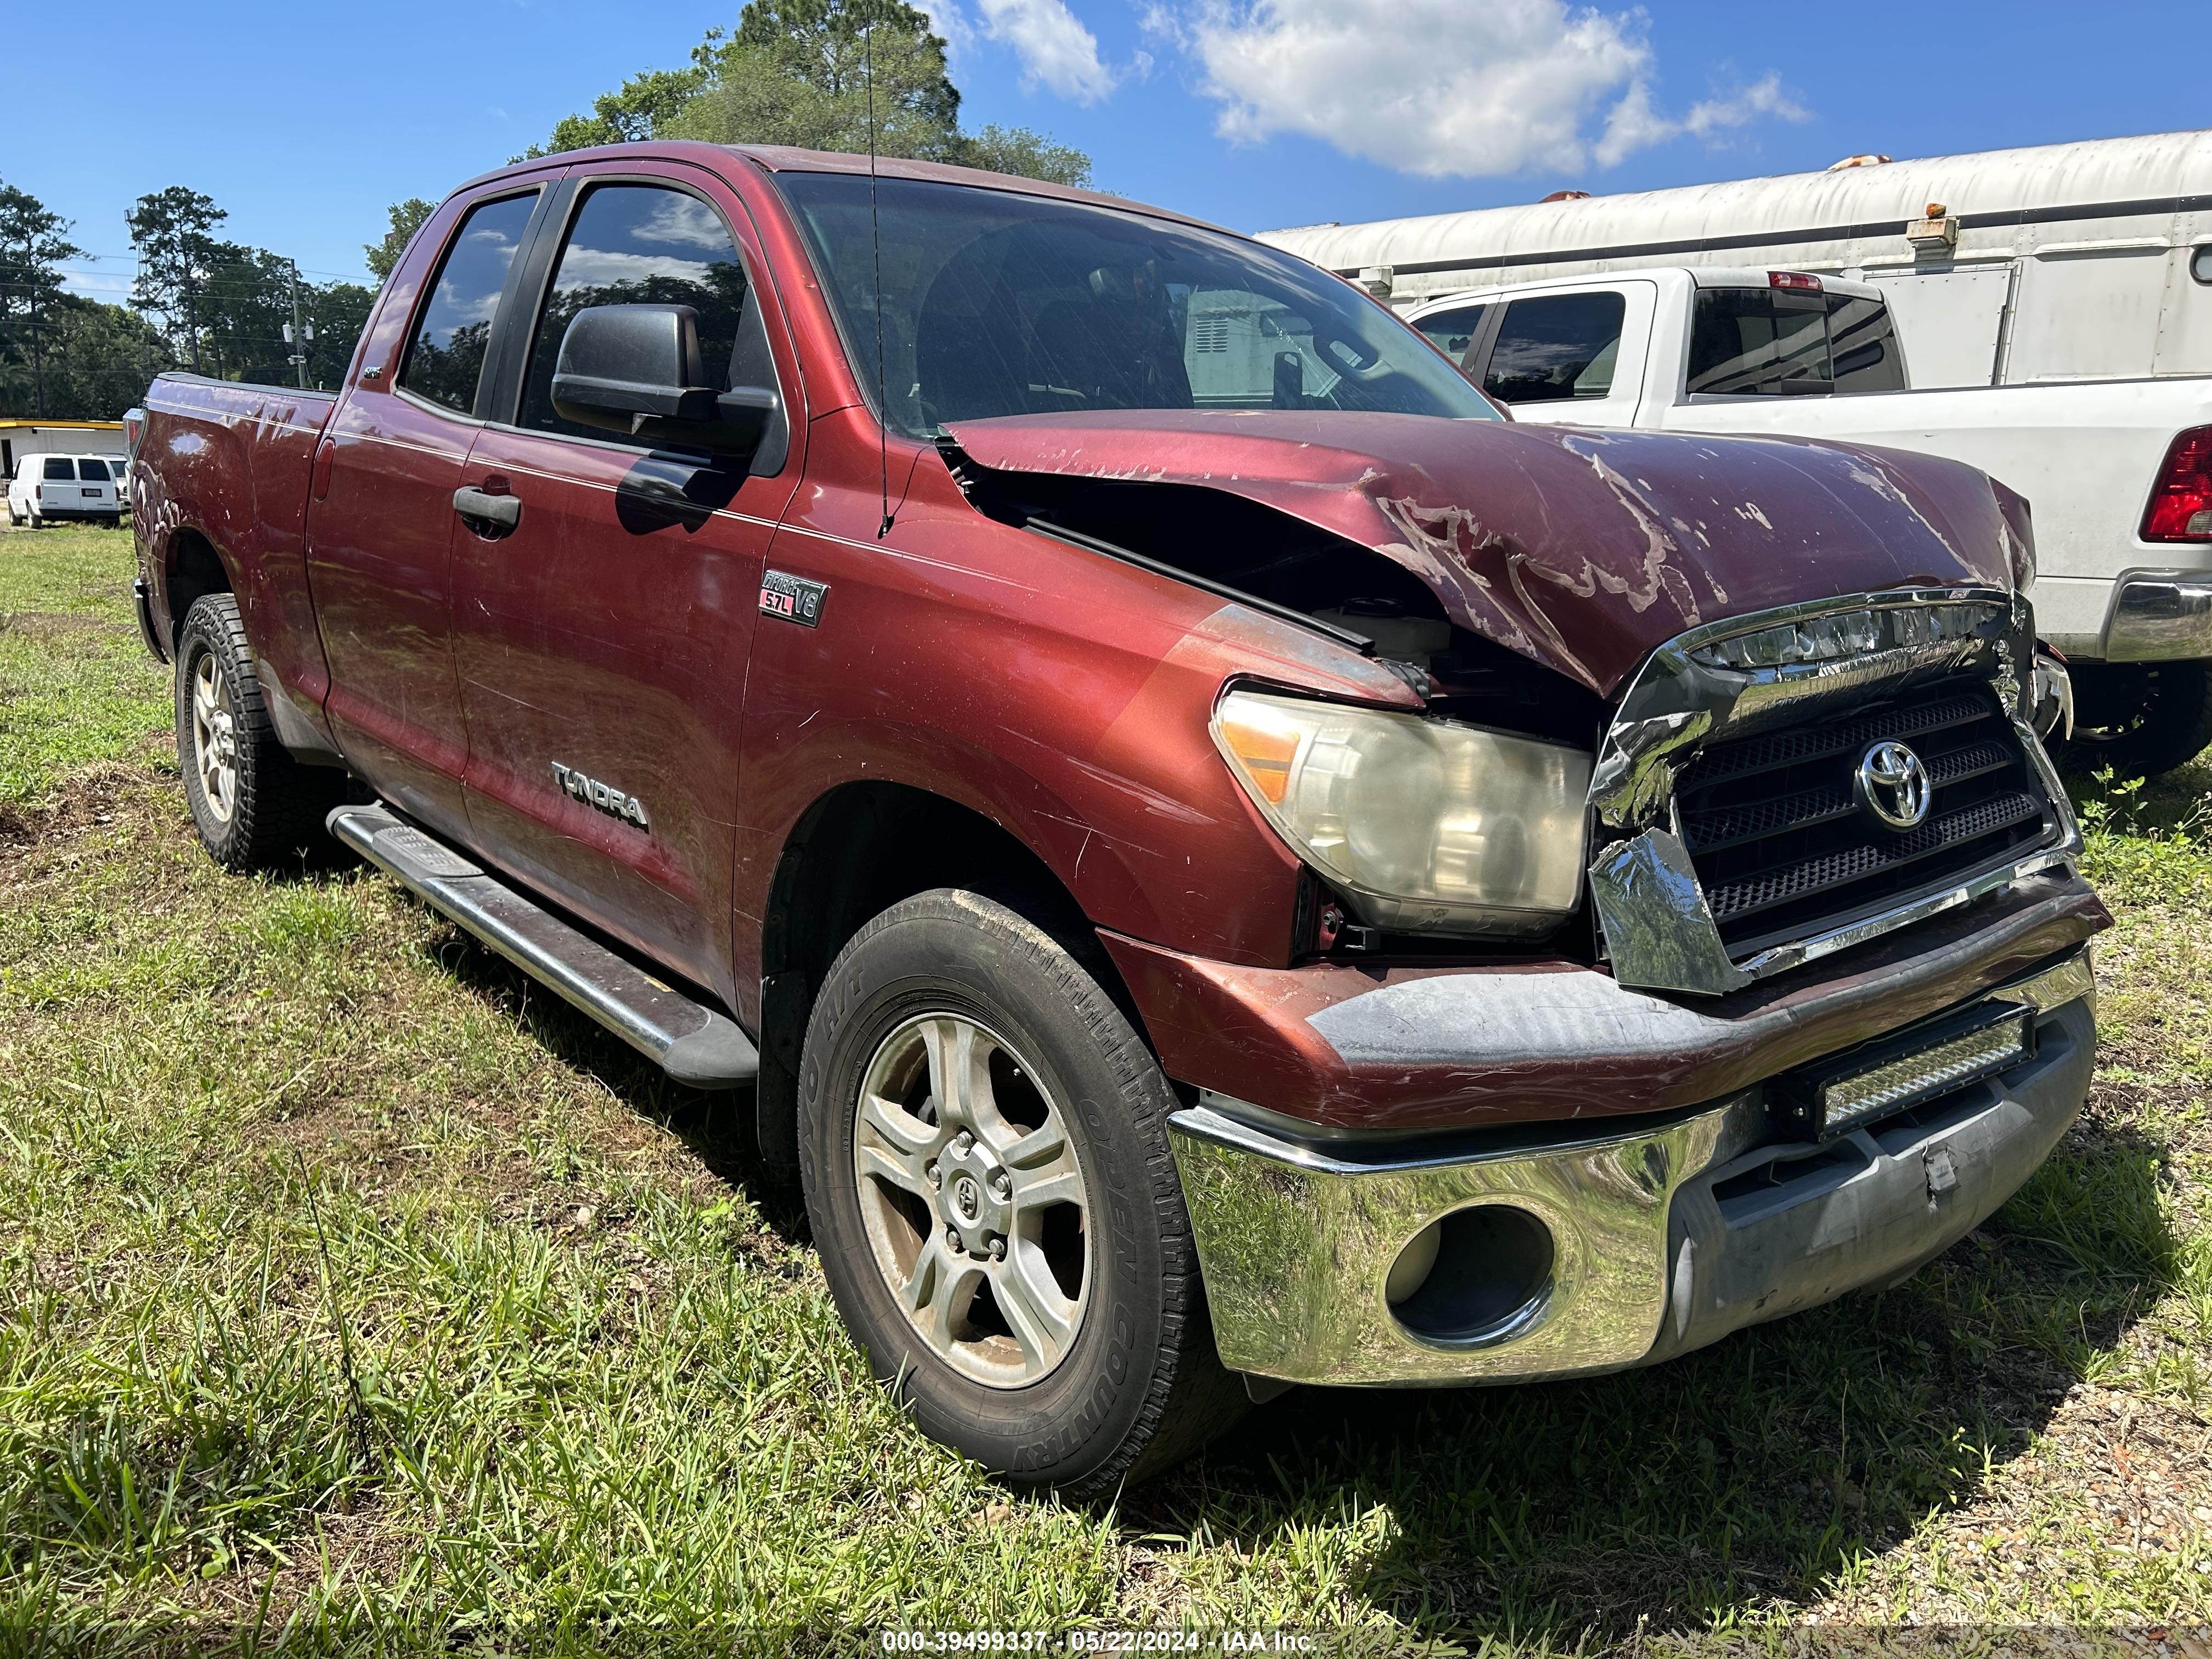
x=876 y=247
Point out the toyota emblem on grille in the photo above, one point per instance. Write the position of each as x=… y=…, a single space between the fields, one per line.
x=1893 y=784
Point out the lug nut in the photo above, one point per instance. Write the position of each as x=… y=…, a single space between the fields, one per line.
x=1000 y=1184
x=997 y=1247
x=936 y=1175
x=952 y=1238
x=963 y=1144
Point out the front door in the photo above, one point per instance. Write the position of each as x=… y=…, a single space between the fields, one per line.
x=601 y=643
x=1572 y=359
x=380 y=530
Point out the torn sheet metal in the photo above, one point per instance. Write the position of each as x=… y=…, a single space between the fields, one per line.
x=1583 y=550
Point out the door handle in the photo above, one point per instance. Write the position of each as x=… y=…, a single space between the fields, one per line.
x=480 y=508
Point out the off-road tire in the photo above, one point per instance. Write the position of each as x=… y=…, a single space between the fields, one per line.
x=279 y=805
x=1140 y=1388
x=2140 y=719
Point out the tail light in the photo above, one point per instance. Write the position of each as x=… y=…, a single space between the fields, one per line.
x=2180 y=507
x=1797 y=282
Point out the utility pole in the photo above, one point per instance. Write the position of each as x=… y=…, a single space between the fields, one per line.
x=297 y=337
x=38 y=357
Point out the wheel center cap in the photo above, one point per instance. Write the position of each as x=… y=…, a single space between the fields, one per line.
x=967 y=1201
x=976 y=1200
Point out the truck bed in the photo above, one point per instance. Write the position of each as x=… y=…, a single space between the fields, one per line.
x=235 y=461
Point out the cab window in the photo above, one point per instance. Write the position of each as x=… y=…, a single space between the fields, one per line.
x=1779 y=342
x=446 y=355
x=1554 y=347
x=650 y=244
x=1453 y=332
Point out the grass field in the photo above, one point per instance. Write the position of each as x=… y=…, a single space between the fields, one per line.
x=357 y=1294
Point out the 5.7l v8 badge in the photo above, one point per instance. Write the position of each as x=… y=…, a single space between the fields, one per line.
x=794 y=599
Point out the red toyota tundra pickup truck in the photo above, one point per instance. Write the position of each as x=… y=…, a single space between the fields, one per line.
x=1226 y=861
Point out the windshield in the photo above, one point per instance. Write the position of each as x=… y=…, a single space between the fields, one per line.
x=995 y=303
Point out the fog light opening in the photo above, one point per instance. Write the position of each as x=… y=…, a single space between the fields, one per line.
x=1477 y=1274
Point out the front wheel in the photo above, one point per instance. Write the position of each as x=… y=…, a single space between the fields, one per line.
x=2140 y=719
x=983 y=1142
x=256 y=808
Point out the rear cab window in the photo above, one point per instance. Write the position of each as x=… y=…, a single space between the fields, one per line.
x=445 y=352
x=1750 y=342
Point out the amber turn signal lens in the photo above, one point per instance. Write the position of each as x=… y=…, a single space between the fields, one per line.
x=1264 y=750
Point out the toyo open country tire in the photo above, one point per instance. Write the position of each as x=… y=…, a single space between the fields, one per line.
x=256 y=808
x=2142 y=719
x=950 y=984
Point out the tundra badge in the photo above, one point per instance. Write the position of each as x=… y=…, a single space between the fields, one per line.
x=794 y=599
x=593 y=793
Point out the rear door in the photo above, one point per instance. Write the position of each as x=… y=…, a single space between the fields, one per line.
x=601 y=643
x=96 y=485
x=381 y=529
x=1571 y=358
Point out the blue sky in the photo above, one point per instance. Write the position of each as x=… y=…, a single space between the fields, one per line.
x=305 y=121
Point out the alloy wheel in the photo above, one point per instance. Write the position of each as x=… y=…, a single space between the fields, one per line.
x=214 y=738
x=973 y=1199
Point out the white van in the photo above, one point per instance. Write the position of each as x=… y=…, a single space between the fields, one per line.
x=48 y=486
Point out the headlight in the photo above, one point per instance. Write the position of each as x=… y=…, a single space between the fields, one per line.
x=1433 y=826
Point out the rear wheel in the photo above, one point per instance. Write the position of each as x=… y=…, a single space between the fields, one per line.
x=982 y=1137
x=255 y=807
x=2140 y=719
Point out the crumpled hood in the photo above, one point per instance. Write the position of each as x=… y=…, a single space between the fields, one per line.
x=1582 y=550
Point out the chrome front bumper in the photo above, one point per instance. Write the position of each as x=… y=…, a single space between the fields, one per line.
x=1647 y=1248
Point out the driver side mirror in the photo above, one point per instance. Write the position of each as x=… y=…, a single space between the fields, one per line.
x=636 y=370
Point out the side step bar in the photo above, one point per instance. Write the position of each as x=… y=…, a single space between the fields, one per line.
x=692 y=1044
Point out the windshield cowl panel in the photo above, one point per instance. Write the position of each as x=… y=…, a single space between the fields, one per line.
x=994 y=303
x=1580 y=549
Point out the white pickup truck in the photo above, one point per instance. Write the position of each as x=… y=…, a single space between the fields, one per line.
x=2119 y=472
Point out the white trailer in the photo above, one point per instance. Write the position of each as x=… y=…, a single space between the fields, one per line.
x=2062 y=262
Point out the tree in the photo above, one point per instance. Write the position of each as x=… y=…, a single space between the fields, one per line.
x=821 y=75
x=172 y=230
x=1028 y=154
x=407 y=218
x=337 y=312
x=99 y=360
x=33 y=242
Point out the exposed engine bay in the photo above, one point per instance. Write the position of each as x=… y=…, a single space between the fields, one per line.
x=1236 y=546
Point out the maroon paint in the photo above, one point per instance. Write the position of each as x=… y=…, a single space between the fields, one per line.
x=380 y=557
x=607 y=636
x=1060 y=692
x=1247 y=1032
x=1582 y=550
x=238 y=473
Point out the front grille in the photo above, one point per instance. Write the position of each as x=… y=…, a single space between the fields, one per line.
x=1782 y=848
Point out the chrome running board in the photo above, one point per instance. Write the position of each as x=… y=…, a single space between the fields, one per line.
x=693 y=1044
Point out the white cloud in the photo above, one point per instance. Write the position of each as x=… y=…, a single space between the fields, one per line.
x=1054 y=47
x=1442 y=88
x=1633 y=123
